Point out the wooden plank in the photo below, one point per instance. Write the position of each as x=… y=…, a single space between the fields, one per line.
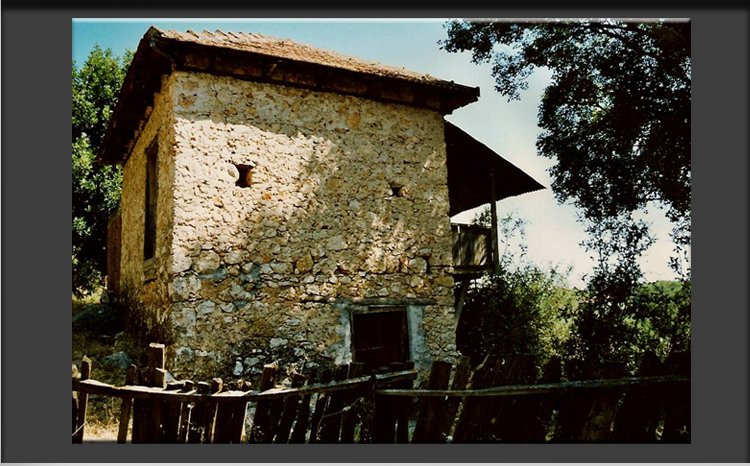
x=223 y=422
x=94 y=387
x=330 y=429
x=638 y=417
x=291 y=405
x=185 y=414
x=471 y=415
x=75 y=417
x=385 y=414
x=240 y=412
x=353 y=404
x=448 y=416
x=427 y=427
x=259 y=428
x=513 y=415
x=320 y=406
x=403 y=408
x=82 y=402
x=122 y=433
x=300 y=427
x=537 y=425
x=586 y=416
x=677 y=412
x=138 y=412
x=574 y=405
x=484 y=429
x=198 y=414
x=217 y=385
x=598 y=427
x=171 y=421
x=274 y=417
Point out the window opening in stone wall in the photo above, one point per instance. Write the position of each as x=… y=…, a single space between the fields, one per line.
x=397 y=190
x=149 y=245
x=380 y=336
x=246 y=176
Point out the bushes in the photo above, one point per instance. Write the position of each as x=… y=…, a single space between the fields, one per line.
x=516 y=311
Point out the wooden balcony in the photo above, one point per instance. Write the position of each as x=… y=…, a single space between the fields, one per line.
x=472 y=250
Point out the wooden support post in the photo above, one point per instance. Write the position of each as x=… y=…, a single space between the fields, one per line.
x=462 y=298
x=82 y=402
x=493 y=216
x=122 y=434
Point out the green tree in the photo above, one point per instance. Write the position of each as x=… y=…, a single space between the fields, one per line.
x=616 y=116
x=516 y=311
x=520 y=309
x=96 y=189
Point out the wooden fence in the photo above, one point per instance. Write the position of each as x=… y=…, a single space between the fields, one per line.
x=502 y=400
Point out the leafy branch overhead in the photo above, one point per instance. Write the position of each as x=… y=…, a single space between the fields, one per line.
x=616 y=115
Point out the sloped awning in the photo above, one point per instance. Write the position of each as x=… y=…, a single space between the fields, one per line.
x=470 y=164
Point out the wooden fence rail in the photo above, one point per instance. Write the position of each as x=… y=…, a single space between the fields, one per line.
x=501 y=400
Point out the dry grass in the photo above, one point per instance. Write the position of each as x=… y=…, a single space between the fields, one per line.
x=98 y=333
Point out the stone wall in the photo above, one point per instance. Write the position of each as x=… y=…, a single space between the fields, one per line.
x=346 y=201
x=144 y=284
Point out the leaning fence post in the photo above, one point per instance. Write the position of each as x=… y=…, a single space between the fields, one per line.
x=122 y=434
x=82 y=401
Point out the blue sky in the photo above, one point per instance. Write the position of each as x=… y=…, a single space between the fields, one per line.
x=510 y=128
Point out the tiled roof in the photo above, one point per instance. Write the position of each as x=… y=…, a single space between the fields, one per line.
x=291 y=50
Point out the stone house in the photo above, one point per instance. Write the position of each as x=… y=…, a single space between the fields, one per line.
x=283 y=202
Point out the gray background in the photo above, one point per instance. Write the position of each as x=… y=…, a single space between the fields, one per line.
x=36 y=237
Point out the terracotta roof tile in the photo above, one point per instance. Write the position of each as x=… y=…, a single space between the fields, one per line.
x=291 y=50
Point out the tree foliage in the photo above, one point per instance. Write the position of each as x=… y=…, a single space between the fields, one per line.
x=96 y=189
x=520 y=309
x=616 y=115
x=616 y=118
x=516 y=311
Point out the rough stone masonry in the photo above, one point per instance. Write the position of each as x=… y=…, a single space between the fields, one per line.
x=281 y=211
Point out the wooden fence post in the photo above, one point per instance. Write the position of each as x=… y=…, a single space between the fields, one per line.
x=427 y=428
x=460 y=379
x=348 y=423
x=122 y=433
x=300 y=428
x=291 y=406
x=320 y=407
x=331 y=423
x=260 y=428
x=82 y=402
x=472 y=415
x=677 y=423
x=185 y=414
x=639 y=415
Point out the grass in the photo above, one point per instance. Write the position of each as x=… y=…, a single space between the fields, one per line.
x=98 y=332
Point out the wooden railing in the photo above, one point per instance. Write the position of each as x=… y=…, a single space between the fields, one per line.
x=503 y=399
x=472 y=249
